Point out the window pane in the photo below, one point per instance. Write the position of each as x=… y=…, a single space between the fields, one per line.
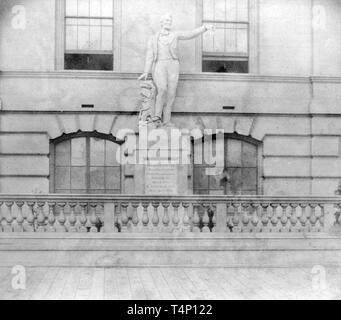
x=249 y=179
x=208 y=42
x=83 y=8
x=112 y=178
x=71 y=38
x=200 y=178
x=107 y=8
x=243 y=10
x=95 y=8
x=95 y=38
x=62 y=178
x=249 y=155
x=216 y=182
x=116 y=191
x=208 y=9
x=235 y=184
x=95 y=22
x=79 y=191
x=242 y=41
x=78 y=178
x=97 y=152
x=89 y=62
x=219 y=39
x=231 y=40
x=97 y=178
x=219 y=10
x=71 y=7
x=107 y=38
x=225 y=66
x=83 y=22
x=78 y=152
x=111 y=149
x=63 y=153
x=83 y=37
x=231 y=10
x=234 y=153
x=216 y=192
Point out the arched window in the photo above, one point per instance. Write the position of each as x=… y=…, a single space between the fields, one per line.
x=240 y=174
x=85 y=163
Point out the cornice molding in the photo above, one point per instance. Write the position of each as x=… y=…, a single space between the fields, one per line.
x=70 y=74
x=175 y=113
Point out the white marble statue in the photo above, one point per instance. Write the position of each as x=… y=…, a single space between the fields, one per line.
x=163 y=62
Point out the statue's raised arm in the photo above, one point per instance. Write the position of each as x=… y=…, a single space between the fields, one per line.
x=162 y=61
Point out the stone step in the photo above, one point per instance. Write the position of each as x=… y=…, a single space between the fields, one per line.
x=169 y=250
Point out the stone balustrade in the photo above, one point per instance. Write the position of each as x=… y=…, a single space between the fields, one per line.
x=181 y=214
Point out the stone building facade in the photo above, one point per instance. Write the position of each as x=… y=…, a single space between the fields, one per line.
x=270 y=77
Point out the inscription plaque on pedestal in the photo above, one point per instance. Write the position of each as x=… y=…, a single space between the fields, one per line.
x=161 y=179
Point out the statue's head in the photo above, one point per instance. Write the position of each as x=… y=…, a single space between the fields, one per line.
x=166 y=21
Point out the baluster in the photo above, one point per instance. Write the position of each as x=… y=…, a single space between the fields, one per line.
x=303 y=217
x=185 y=220
x=124 y=217
x=155 y=218
x=255 y=218
x=236 y=218
x=337 y=214
x=145 y=217
x=293 y=218
x=135 y=219
x=165 y=218
x=312 y=218
x=93 y=218
x=284 y=218
x=117 y=217
x=245 y=217
x=274 y=218
x=319 y=213
x=205 y=219
x=1 y=217
x=51 y=218
x=265 y=218
x=20 y=218
x=321 y=217
x=213 y=218
x=41 y=217
x=176 y=219
x=8 y=227
x=61 y=217
x=196 y=218
x=229 y=223
x=72 y=218
x=30 y=217
x=83 y=220
x=101 y=218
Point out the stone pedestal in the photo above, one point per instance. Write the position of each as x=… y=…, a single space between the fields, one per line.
x=161 y=166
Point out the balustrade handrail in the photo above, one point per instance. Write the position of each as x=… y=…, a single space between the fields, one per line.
x=150 y=198
x=157 y=213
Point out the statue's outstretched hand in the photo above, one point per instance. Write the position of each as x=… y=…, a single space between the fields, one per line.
x=144 y=76
x=210 y=27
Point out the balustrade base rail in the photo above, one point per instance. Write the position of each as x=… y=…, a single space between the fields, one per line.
x=180 y=214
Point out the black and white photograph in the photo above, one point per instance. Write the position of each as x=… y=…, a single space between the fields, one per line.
x=183 y=152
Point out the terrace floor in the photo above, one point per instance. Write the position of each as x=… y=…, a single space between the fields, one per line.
x=174 y=283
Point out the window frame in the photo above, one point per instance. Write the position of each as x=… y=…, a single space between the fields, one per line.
x=80 y=134
x=60 y=48
x=253 y=34
x=234 y=136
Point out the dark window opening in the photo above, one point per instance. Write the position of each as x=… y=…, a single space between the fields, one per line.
x=225 y=66
x=240 y=175
x=77 y=61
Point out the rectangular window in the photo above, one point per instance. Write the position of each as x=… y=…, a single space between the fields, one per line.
x=89 y=35
x=226 y=49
